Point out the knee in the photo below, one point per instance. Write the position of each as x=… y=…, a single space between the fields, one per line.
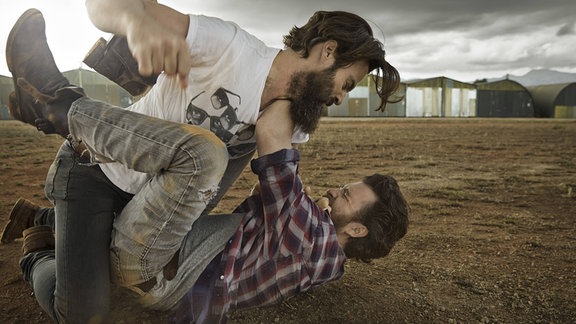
x=217 y=149
x=214 y=154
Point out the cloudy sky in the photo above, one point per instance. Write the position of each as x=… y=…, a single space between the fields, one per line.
x=460 y=39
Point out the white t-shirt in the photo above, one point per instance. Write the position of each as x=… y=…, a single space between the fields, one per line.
x=225 y=84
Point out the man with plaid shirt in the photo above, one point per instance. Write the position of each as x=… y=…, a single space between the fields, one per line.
x=283 y=242
x=278 y=242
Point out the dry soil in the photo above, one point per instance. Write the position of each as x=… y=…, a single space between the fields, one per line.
x=492 y=235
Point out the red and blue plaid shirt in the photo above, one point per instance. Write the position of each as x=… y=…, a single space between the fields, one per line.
x=285 y=244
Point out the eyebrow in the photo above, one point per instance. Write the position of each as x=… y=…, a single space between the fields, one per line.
x=346 y=192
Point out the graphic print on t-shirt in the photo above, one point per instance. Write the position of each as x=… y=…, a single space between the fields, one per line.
x=219 y=113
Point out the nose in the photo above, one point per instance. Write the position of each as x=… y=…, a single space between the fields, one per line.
x=338 y=99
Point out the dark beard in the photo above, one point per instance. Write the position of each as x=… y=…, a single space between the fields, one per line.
x=310 y=93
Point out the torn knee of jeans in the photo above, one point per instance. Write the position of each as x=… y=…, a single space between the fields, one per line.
x=209 y=193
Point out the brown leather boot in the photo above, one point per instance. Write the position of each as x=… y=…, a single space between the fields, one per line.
x=21 y=218
x=55 y=108
x=113 y=60
x=29 y=114
x=38 y=238
x=28 y=56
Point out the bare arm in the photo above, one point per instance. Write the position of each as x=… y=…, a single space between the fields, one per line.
x=274 y=128
x=156 y=33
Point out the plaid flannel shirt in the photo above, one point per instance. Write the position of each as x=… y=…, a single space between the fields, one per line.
x=285 y=244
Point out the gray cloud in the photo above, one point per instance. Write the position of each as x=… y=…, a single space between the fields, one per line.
x=567 y=29
x=463 y=39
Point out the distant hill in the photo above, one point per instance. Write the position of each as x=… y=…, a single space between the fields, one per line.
x=540 y=77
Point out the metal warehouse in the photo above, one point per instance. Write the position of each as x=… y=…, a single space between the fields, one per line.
x=504 y=98
x=6 y=86
x=554 y=100
x=440 y=97
x=95 y=85
x=99 y=87
x=363 y=101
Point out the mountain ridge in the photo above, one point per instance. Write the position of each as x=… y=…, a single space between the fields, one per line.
x=539 y=77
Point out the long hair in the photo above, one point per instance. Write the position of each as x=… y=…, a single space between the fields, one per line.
x=355 y=43
x=386 y=220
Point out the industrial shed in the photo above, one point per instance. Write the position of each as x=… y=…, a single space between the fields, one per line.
x=440 y=97
x=6 y=86
x=554 y=100
x=364 y=100
x=99 y=87
x=95 y=85
x=504 y=98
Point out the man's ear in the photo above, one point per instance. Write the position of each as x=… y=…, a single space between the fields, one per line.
x=329 y=49
x=355 y=229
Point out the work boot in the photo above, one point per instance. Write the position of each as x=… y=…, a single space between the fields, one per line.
x=55 y=108
x=28 y=56
x=113 y=60
x=21 y=218
x=30 y=114
x=38 y=238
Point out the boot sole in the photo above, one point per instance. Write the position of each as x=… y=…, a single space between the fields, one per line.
x=27 y=14
x=9 y=45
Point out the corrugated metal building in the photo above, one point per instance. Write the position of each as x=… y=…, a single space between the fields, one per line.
x=6 y=86
x=504 y=98
x=95 y=85
x=364 y=100
x=440 y=97
x=99 y=87
x=554 y=100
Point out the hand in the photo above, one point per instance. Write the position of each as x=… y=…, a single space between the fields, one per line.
x=308 y=191
x=158 y=49
x=156 y=33
x=323 y=203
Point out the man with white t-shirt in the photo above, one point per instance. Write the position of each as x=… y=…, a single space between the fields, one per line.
x=215 y=76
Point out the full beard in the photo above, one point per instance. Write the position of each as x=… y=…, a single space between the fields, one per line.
x=310 y=93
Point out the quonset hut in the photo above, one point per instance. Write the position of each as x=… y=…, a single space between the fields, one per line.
x=554 y=100
x=504 y=98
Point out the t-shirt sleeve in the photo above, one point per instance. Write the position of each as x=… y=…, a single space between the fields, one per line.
x=208 y=36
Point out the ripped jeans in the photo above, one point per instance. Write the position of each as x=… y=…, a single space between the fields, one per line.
x=185 y=162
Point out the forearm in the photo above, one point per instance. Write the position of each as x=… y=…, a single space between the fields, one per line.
x=274 y=128
x=131 y=14
x=125 y=12
x=156 y=34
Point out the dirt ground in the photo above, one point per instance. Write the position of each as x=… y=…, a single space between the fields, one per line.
x=492 y=235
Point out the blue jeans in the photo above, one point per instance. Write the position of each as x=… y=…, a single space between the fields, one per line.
x=186 y=162
x=85 y=203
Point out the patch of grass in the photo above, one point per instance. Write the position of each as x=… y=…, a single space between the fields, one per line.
x=447 y=193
